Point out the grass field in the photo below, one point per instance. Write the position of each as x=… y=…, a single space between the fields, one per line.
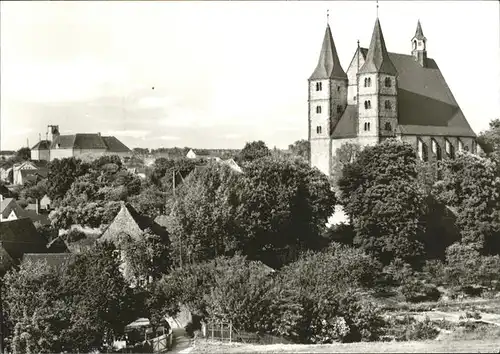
x=469 y=346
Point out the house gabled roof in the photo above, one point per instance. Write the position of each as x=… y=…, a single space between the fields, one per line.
x=328 y=63
x=426 y=105
x=19 y=236
x=114 y=145
x=7 y=205
x=377 y=59
x=42 y=145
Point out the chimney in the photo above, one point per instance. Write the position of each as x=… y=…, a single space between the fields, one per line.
x=99 y=133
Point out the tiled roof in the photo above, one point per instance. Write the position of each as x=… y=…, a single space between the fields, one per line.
x=19 y=237
x=328 y=63
x=89 y=141
x=63 y=142
x=377 y=59
x=347 y=125
x=114 y=145
x=42 y=145
x=426 y=105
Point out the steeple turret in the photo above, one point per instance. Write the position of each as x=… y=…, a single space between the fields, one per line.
x=328 y=64
x=377 y=58
x=419 y=42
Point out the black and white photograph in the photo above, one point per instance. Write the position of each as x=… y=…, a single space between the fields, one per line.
x=249 y=176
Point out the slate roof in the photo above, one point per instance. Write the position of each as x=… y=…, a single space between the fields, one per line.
x=328 y=63
x=42 y=145
x=377 y=59
x=426 y=105
x=114 y=145
x=19 y=237
x=419 y=34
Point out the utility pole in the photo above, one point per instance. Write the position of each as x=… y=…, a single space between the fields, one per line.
x=1 y=306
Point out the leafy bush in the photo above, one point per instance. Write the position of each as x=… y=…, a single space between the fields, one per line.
x=75 y=235
x=417 y=291
x=421 y=330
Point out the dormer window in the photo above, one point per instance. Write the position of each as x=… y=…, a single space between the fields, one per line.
x=319 y=86
x=318 y=109
x=388 y=82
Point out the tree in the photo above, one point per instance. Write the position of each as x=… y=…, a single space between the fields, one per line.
x=490 y=139
x=165 y=169
x=23 y=154
x=34 y=192
x=101 y=301
x=344 y=155
x=254 y=150
x=206 y=213
x=36 y=314
x=147 y=258
x=381 y=194
x=300 y=148
x=471 y=185
x=151 y=201
x=283 y=208
x=61 y=175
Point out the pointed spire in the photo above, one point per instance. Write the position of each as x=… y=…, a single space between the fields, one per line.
x=419 y=34
x=377 y=58
x=328 y=64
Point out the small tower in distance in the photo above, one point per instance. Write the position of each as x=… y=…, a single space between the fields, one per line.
x=327 y=102
x=419 y=46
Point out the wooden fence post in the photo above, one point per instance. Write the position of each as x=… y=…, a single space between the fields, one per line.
x=230 y=330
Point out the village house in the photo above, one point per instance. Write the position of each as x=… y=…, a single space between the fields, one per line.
x=11 y=210
x=29 y=171
x=17 y=238
x=129 y=223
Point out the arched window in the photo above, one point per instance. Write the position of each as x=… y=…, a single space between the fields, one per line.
x=387 y=104
x=369 y=82
x=318 y=109
x=366 y=126
x=388 y=126
x=366 y=82
x=415 y=44
x=369 y=104
x=319 y=86
x=318 y=130
x=388 y=82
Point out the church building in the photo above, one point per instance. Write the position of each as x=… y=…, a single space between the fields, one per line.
x=383 y=95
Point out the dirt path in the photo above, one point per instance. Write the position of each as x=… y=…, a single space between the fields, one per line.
x=181 y=342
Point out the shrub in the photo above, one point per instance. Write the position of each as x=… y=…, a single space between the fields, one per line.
x=75 y=235
x=417 y=291
x=421 y=330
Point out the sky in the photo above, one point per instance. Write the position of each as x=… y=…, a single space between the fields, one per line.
x=215 y=74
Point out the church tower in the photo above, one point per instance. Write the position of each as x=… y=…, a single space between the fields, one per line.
x=327 y=102
x=377 y=102
x=419 y=46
